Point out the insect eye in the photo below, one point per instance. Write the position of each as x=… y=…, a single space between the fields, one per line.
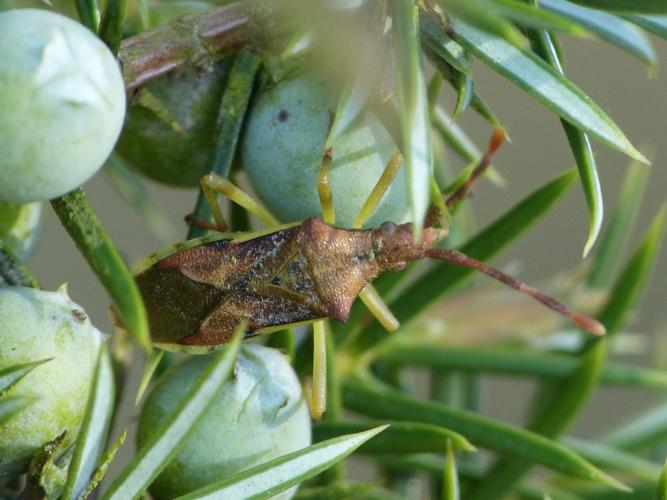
x=388 y=227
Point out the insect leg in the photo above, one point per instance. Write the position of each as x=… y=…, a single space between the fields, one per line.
x=457 y=258
x=369 y=296
x=378 y=191
x=318 y=399
x=324 y=190
x=380 y=311
x=317 y=389
x=213 y=183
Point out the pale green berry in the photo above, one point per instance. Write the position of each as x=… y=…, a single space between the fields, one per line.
x=170 y=125
x=283 y=146
x=260 y=414
x=62 y=99
x=38 y=325
x=20 y=227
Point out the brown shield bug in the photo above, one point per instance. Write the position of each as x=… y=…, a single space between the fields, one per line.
x=198 y=292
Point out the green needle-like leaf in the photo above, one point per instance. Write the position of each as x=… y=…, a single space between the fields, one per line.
x=11 y=375
x=632 y=281
x=655 y=24
x=153 y=361
x=105 y=463
x=335 y=473
x=620 y=227
x=13 y=272
x=645 y=430
x=607 y=27
x=608 y=457
x=431 y=464
x=10 y=406
x=639 y=6
x=588 y=173
x=443 y=46
x=464 y=93
x=401 y=437
x=530 y=16
x=413 y=108
x=144 y=14
x=544 y=45
x=82 y=224
x=450 y=483
x=553 y=90
x=89 y=13
x=165 y=441
x=483 y=109
x=661 y=488
x=377 y=401
x=231 y=115
x=282 y=473
x=354 y=491
x=483 y=15
x=517 y=362
x=111 y=25
x=94 y=427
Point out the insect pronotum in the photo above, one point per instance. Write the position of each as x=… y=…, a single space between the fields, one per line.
x=197 y=293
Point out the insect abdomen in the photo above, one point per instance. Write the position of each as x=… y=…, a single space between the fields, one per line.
x=175 y=304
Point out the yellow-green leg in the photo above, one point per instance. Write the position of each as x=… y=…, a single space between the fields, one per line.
x=317 y=391
x=324 y=190
x=318 y=399
x=212 y=184
x=380 y=188
x=369 y=295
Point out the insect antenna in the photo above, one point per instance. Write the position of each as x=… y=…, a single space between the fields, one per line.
x=497 y=139
x=459 y=259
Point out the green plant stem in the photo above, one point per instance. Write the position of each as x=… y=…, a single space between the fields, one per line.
x=232 y=112
x=85 y=229
x=193 y=37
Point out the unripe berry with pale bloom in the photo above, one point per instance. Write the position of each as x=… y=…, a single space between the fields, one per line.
x=63 y=101
x=260 y=414
x=38 y=325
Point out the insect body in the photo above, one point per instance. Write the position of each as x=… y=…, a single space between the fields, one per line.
x=199 y=295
